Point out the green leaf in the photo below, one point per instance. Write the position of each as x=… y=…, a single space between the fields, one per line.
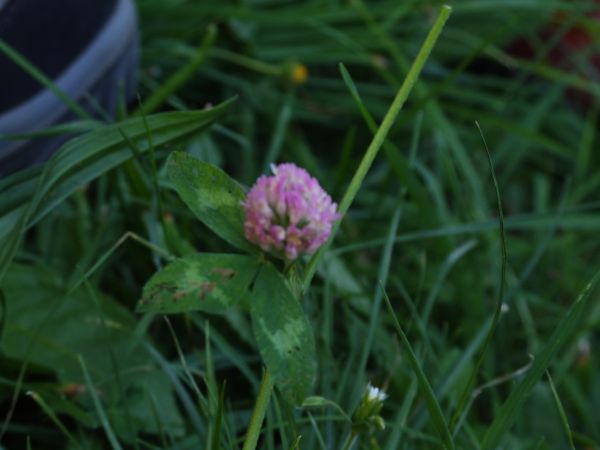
x=50 y=328
x=79 y=126
x=212 y=195
x=201 y=282
x=283 y=334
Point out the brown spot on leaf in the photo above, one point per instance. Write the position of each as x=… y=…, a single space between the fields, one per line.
x=160 y=288
x=206 y=288
x=224 y=272
x=178 y=295
x=72 y=390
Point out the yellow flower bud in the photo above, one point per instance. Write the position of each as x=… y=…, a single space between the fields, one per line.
x=299 y=74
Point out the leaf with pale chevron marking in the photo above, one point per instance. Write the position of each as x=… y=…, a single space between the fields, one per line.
x=283 y=334
x=202 y=282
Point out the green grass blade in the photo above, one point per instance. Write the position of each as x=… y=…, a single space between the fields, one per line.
x=464 y=398
x=258 y=414
x=79 y=279
x=216 y=430
x=83 y=159
x=561 y=411
x=159 y=424
x=382 y=276
x=54 y=418
x=398 y=162
x=10 y=242
x=452 y=259
x=2 y=313
x=113 y=362
x=379 y=138
x=160 y=95
x=284 y=117
x=317 y=432
x=296 y=444
x=110 y=435
x=184 y=366
x=75 y=127
x=183 y=394
x=399 y=422
x=19 y=60
x=435 y=411
x=564 y=331
x=233 y=354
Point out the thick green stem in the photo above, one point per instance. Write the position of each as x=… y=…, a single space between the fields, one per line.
x=381 y=134
x=258 y=415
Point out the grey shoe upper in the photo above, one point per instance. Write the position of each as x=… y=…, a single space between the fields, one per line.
x=104 y=68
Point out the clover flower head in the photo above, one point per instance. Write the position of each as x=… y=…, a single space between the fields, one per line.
x=288 y=214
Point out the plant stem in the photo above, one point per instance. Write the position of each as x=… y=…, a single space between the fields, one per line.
x=381 y=134
x=258 y=414
x=246 y=62
x=349 y=441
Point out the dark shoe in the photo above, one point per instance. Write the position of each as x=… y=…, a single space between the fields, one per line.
x=88 y=48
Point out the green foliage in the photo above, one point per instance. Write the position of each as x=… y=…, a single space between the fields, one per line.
x=507 y=413
x=80 y=237
x=50 y=328
x=27 y=197
x=437 y=416
x=212 y=195
x=283 y=335
x=215 y=283
x=201 y=282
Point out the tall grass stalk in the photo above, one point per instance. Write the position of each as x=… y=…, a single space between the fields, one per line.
x=381 y=134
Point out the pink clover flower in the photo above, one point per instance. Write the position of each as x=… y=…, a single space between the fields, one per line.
x=288 y=214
